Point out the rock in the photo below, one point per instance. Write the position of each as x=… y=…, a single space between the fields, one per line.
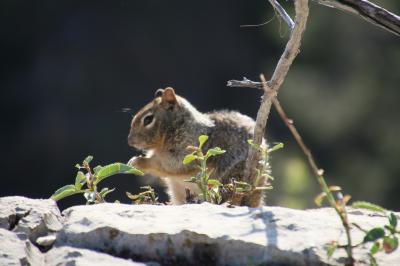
x=29 y=218
x=25 y=221
x=12 y=249
x=46 y=241
x=66 y=256
x=205 y=234
x=215 y=235
x=16 y=252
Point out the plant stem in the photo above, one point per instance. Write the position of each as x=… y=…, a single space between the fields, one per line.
x=91 y=186
x=203 y=178
x=90 y=182
x=340 y=210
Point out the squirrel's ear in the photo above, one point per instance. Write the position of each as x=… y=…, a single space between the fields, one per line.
x=169 y=95
x=158 y=93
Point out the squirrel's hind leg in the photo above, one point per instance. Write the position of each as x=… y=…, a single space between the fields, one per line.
x=176 y=189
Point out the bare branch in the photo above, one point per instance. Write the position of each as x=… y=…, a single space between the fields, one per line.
x=282 y=13
x=245 y=83
x=341 y=211
x=271 y=88
x=368 y=11
x=318 y=172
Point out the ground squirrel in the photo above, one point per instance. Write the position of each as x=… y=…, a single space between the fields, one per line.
x=166 y=126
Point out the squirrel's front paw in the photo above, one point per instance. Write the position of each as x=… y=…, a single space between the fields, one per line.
x=139 y=162
x=133 y=161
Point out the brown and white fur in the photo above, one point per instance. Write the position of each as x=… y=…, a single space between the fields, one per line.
x=166 y=126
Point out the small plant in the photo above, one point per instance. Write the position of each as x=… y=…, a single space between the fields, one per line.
x=210 y=188
x=240 y=189
x=146 y=197
x=263 y=176
x=87 y=183
x=384 y=238
x=336 y=199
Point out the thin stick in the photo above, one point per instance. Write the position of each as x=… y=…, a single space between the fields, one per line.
x=318 y=172
x=368 y=11
x=340 y=210
x=284 y=63
x=246 y=83
x=282 y=13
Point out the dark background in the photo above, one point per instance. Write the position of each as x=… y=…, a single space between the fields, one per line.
x=68 y=68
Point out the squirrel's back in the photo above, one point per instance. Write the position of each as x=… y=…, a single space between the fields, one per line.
x=231 y=131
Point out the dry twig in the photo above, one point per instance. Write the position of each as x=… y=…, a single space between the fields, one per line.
x=368 y=11
x=340 y=209
x=272 y=87
x=282 y=13
x=318 y=172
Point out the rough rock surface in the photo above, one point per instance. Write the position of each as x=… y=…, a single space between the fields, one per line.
x=12 y=249
x=118 y=234
x=67 y=256
x=28 y=217
x=208 y=234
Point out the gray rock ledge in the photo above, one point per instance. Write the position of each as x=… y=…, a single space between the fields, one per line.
x=205 y=234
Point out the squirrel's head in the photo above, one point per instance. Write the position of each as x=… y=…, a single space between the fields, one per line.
x=149 y=125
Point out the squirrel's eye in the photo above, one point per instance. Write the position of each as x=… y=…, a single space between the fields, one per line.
x=148 y=119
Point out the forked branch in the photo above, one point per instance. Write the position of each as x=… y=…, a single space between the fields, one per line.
x=271 y=87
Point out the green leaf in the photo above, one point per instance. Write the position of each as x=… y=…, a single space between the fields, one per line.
x=268 y=177
x=276 y=147
x=264 y=188
x=97 y=169
x=390 y=244
x=368 y=206
x=393 y=220
x=241 y=183
x=105 y=191
x=202 y=140
x=191 y=180
x=374 y=234
x=214 y=182
x=189 y=158
x=215 y=151
x=88 y=159
x=372 y=260
x=80 y=179
x=334 y=188
x=116 y=168
x=375 y=248
x=131 y=196
x=65 y=191
x=319 y=198
x=390 y=228
x=331 y=249
x=254 y=146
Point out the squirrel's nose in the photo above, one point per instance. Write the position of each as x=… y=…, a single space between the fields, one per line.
x=131 y=140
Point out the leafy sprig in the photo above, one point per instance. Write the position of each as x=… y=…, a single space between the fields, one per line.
x=87 y=180
x=210 y=188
